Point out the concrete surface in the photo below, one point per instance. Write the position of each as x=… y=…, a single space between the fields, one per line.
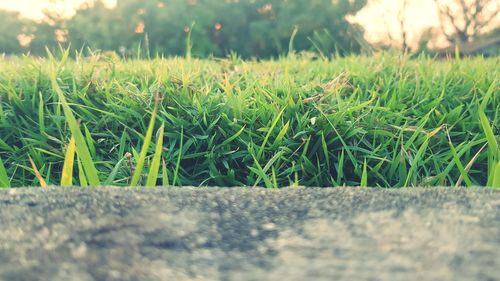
x=249 y=234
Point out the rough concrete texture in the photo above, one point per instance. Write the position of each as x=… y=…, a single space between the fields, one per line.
x=249 y=234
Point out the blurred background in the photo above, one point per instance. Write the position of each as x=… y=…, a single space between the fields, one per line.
x=249 y=28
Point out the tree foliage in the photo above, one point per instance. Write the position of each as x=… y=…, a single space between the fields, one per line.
x=260 y=28
x=10 y=29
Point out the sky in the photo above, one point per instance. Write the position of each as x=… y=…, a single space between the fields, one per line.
x=379 y=17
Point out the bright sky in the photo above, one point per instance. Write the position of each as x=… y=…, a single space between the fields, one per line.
x=379 y=17
x=34 y=8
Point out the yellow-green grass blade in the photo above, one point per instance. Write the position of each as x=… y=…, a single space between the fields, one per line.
x=496 y=176
x=325 y=151
x=420 y=154
x=282 y=133
x=488 y=131
x=155 y=163
x=233 y=137
x=178 y=163
x=90 y=141
x=41 y=114
x=4 y=179
x=493 y=150
x=81 y=145
x=81 y=173
x=37 y=173
x=460 y=167
x=164 y=174
x=275 y=181
x=364 y=176
x=67 y=171
x=260 y=172
x=266 y=138
x=266 y=168
x=144 y=150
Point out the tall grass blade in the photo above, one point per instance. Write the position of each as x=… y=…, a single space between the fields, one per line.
x=41 y=114
x=266 y=138
x=144 y=150
x=460 y=167
x=179 y=157
x=456 y=158
x=90 y=141
x=155 y=163
x=488 y=131
x=493 y=150
x=164 y=173
x=67 y=171
x=81 y=145
x=496 y=176
x=81 y=173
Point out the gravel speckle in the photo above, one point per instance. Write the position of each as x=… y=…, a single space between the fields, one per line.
x=249 y=234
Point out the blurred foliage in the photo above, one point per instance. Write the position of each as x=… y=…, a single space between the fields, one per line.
x=10 y=29
x=251 y=28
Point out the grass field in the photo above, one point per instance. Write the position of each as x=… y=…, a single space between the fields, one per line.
x=384 y=120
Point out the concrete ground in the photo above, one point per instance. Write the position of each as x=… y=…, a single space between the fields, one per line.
x=249 y=234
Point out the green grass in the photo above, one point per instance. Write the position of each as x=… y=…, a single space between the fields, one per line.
x=384 y=120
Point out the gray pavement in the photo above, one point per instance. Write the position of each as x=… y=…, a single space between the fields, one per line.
x=249 y=234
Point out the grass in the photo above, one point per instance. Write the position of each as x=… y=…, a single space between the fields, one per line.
x=385 y=120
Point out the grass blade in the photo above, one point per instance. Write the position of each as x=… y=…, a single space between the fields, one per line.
x=41 y=115
x=496 y=176
x=164 y=174
x=266 y=138
x=269 y=164
x=488 y=131
x=155 y=163
x=67 y=171
x=178 y=164
x=4 y=179
x=282 y=133
x=144 y=150
x=81 y=145
x=273 y=174
x=364 y=176
x=90 y=141
x=112 y=175
x=37 y=173
x=463 y=173
x=233 y=137
x=260 y=172
x=493 y=151
x=81 y=173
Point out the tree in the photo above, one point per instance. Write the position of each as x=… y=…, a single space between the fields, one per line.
x=96 y=26
x=465 y=20
x=47 y=33
x=251 y=28
x=10 y=30
x=260 y=28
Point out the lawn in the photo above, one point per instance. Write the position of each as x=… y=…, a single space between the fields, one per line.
x=381 y=120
